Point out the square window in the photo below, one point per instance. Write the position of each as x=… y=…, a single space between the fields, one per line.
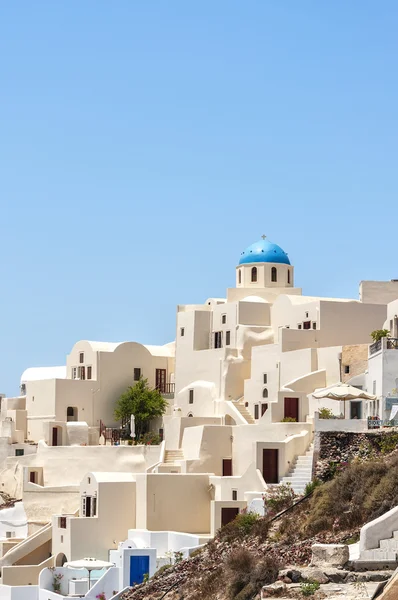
x=227 y=338
x=307 y=325
x=89 y=372
x=137 y=374
x=81 y=357
x=313 y=325
x=346 y=368
x=182 y=331
x=19 y=451
x=234 y=494
x=9 y=534
x=265 y=378
x=300 y=326
x=190 y=396
x=223 y=319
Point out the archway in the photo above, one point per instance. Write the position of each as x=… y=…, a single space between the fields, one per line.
x=60 y=560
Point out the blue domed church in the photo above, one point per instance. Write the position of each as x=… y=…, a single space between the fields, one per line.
x=264 y=265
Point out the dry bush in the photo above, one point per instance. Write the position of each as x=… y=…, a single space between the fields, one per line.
x=246 y=573
x=208 y=585
x=239 y=528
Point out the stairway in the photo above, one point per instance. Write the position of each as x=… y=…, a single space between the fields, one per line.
x=240 y=405
x=301 y=471
x=387 y=550
x=171 y=456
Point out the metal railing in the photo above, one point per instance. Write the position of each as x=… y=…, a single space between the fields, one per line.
x=392 y=343
x=385 y=343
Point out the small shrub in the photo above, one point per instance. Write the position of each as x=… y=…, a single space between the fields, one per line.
x=178 y=556
x=279 y=497
x=311 y=485
x=309 y=588
x=208 y=586
x=240 y=527
x=150 y=439
x=377 y=334
x=388 y=442
x=325 y=413
x=289 y=420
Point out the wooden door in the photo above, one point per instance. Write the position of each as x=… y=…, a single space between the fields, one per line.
x=292 y=408
x=228 y=514
x=227 y=467
x=161 y=380
x=270 y=465
x=32 y=476
x=55 y=436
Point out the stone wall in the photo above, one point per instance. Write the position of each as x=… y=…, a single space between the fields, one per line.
x=356 y=359
x=333 y=450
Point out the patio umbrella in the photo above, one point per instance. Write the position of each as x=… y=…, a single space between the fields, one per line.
x=89 y=564
x=132 y=426
x=343 y=392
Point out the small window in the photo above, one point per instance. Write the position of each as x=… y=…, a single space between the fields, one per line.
x=62 y=522
x=346 y=368
x=256 y=411
x=62 y=539
x=300 y=326
x=93 y=506
x=190 y=415
x=82 y=373
x=88 y=480
x=10 y=534
x=218 y=339
x=265 y=379
x=265 y=393
x=314 y=325
x=288 y=275
x=137 y=374
x=307 y=325
x=190 y=396
x=19 y=451
x=274 y=274
x=89 y=372
x=306 y=315
x=254 y=274
x=374 y=388
x=240 y=276
x=74 y=372
x=234 y=494
x=227 y=338
x=223 y=319
x=81 y=358
x=182 y=331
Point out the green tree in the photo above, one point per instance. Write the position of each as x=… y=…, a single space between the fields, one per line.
x=142 y=402
x=377 y=334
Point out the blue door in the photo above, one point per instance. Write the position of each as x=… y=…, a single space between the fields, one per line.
x=139 y=565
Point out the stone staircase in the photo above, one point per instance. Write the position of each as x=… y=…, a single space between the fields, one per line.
x=240 y=405
x=387 y=550
x=301 y=471
x=171 y=456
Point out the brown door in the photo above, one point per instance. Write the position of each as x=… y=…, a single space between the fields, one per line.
x=227 y=467
x=270 y=465
x=292 y=408
x=161 y=380
x=228 y=514
x=32 y=476
x=264 y=408
x=55 y=436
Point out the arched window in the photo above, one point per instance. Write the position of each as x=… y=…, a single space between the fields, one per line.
x=274 y=276
x=288 y=275
x=254 y=274
x=265 y=393
x=240 y=276
x=190 y=415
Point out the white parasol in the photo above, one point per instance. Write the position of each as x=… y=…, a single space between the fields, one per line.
x=89 y=564
x=132 y=426
x=343 y=392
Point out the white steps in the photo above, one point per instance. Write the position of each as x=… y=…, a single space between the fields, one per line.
x=301 y=472
x=171 y=456
x=387 y=550
x=244 y=412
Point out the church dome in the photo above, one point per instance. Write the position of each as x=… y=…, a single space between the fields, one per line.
x=264 y=251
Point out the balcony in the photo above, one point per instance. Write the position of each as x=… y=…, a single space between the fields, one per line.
x=385 y=343
x=166 y=389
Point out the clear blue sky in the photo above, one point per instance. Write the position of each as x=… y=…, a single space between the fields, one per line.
x=144 y=144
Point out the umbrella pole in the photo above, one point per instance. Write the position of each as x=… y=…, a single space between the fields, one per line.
x=89 y=579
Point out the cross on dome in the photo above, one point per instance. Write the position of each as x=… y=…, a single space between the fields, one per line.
x=263 y=237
